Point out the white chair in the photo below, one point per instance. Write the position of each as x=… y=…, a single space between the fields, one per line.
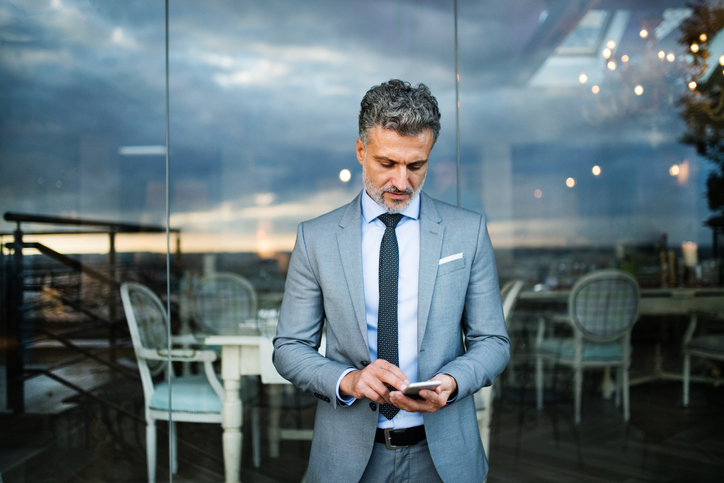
x=707 y=346
x=484 y=397
x=195 y=398
x=224 y=301
x=602 y=310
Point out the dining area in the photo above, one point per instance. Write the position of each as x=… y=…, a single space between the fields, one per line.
x=579 y=365
x=225 y=331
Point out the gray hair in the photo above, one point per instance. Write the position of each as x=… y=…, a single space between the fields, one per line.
x=398 y=106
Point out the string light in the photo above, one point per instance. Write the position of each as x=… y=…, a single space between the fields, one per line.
x=702 y=37
x=644 y=33
x=611 y=44
x=611 y=65
x=674 y=170
x=639 y=90
x=671 y=57
x=692 y=85
x=583 y=78
x=662 y=54
x=695 y=48
x=570 y=182
x=606 y=53
x=595 y=89
x=596 y=170
x=624 y=58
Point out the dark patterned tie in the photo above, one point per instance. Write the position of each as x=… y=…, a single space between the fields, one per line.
x=387 y=314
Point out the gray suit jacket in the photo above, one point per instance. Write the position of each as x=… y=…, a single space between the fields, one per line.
x=461 y=297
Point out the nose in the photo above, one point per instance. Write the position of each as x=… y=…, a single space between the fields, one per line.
x=399 y=180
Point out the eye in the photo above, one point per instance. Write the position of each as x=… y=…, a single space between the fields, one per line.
x=414 y=166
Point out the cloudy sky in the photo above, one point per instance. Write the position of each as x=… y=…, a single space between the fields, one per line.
x=264 y=98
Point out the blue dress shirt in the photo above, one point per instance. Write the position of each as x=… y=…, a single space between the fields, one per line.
x=408 y=240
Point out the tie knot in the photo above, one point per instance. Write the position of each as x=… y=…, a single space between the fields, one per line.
x=389 y=220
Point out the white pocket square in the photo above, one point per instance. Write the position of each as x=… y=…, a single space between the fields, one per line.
x=451 y=258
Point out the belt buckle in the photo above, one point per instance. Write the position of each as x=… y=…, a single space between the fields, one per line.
x=388 y=443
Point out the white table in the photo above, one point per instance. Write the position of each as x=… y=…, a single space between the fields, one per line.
x=247 y=352
x=239 y=357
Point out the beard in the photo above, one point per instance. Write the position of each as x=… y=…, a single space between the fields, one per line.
x=377 y=194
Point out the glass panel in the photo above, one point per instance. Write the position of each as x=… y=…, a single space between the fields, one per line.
x=82 y=187
x=264 y=105
x=571 y=134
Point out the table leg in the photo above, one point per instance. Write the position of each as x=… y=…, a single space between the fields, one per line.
x=275 y=413
x=231 y=412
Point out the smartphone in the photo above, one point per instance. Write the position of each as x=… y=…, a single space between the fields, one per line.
x=413 y=390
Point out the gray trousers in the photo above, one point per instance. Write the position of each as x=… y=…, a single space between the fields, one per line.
x=404 y=465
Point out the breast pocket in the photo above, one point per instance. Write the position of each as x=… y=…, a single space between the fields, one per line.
x=451 y=266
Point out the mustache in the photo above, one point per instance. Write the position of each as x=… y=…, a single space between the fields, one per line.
x=394 y=190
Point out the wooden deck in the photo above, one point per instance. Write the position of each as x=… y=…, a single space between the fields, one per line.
x=86 y=442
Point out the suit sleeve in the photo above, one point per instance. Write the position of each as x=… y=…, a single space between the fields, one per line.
x=299 y=331
x=483 y=324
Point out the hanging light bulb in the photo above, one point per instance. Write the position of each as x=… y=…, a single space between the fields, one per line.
x=662 y=54
x=611 y=65
x=583 y=78
x=644 y=33
x=624 y=58
x=695 y=47
x=639 y=90
x=671 y=57
x=702 y=37
x=611 y=44
x=692 y=85
x=606 y=53
x=595 y=89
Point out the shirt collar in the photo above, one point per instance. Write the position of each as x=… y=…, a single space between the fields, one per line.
x=371 y=210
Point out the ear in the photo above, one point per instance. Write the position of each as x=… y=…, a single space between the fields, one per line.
x=361 y=151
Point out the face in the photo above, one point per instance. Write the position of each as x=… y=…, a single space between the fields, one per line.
x=394 y=166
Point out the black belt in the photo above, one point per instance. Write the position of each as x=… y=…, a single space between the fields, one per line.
x=400 y=438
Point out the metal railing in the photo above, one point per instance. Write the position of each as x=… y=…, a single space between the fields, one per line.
x=15 y=307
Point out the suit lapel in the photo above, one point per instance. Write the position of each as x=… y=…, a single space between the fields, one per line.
x=349 y=242
x=431 y=236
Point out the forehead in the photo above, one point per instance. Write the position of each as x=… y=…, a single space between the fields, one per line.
x=388 y=140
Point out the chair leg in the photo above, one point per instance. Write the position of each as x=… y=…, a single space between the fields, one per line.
x=174 y=447
x=578 y=389
x=619 y=384
x=255 y=437
x=486 y=418
x=626 y=414
x=539 y=383
x=687 y=370
x=151 y=450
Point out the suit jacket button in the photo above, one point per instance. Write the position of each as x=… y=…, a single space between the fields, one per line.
x=373 y=406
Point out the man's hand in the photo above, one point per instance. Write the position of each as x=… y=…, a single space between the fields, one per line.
x=371 y=382
x=431 y=400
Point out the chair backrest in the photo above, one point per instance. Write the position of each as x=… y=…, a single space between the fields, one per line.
x=603 y=305
x=223 y=301
x=146 y=318
x=509 y=293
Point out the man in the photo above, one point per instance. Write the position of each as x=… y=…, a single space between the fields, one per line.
x=399 y=279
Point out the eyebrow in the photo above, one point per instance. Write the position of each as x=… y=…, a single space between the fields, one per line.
x=384 y=158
